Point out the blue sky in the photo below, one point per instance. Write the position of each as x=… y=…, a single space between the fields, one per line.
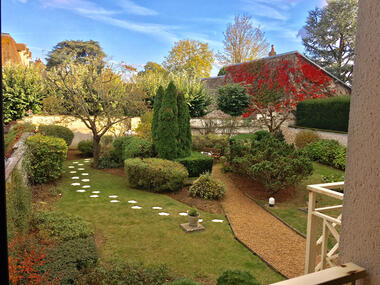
x=137 y=31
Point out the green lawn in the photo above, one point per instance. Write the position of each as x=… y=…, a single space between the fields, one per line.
x=143 y=235
x=289 y=210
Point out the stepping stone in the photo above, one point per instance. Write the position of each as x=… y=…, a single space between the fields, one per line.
x=114 y=201
x=80 y=164
x=217 y=221
x=136 y=207
x=163 y=214
x=75 y=184
x=81 y=168
x=75 y=177
x=71 y=166
x=85 y=174
x=200 y=220
x=132 y=202
x=85 y=180
x=94 y=196
x=188 y=229
x=73 y=172
x=182 y=214
x=81 y=190
x=75 y=162
x=156 y=208
x=95 y=192
x=86 y=186
x=113 y=196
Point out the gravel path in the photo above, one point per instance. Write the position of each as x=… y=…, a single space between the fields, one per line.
x=260 y=231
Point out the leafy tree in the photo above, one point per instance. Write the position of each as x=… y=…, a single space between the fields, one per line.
x=96 y=95
x=184 y=133
x=156 y=110
x=330 y=37
x=242 y=42
x=76 y=51
x=233 y=99
x=166 y=140
x=190 y=56
x=23 y=90
x=154 y=67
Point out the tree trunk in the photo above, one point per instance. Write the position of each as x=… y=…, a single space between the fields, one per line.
x=96 y=151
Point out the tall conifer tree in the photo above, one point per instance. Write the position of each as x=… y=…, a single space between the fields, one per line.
x=156 y=108
x=184 y=130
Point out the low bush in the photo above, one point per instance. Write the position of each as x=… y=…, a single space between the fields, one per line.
x=86 y=148
x=183 y=282
x=207 y=187
x=241 y=143
x=58 y=132
x=137 y=147
x=119 y=146
x=215 y=141
x=303 y=138
x=156 y=175
x=197 y=163
x=44 y=158
x=109 y=160
x=14 y=134
x=236 y=277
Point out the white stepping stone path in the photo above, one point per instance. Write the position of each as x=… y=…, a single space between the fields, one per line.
x=80 y=164
x=113 y=196
x=75 y=177
x=217 y=221
x=156 y=208
x=114 y=201
x=85 y=174
x=81 y=190
x=71 y=166
x=163 y=214
x=85 y=180
x=86 y=186
x=182 y=214
x=95 y=192
x=132 y=202
x=81 y=168
x=136 y=207
x=94 y=196
x=75 y=184
x=73 y=172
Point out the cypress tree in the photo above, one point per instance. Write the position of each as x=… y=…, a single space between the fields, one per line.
x=184 y=130
x=156 y=108
x=167 y=127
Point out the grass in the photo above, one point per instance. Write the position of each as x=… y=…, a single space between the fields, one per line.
x=144 y=236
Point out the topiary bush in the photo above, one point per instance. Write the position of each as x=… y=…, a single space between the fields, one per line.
x=86 y=148
x=196 y=163
x=206 y=187
x=236 y=277
x=44 y=158
x=233 y=99
x=58 y=132
x=137 y=147
x=156 y=175
x=303 y=138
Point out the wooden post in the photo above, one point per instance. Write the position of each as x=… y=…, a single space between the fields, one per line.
x=311 y=238
x=325 y=237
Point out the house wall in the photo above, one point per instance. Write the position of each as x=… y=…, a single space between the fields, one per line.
x=360 y=233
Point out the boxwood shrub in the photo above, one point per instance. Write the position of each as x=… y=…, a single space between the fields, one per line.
x=206 y=187
x=197 y=163
x=137 y=147
x=86 y=148
x=119 y=147
x=154 y=174
x=44 y=158
x=58 y=132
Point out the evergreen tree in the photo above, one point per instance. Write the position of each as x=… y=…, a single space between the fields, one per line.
x=184 y=130
x=156 y=108
x=167 y=128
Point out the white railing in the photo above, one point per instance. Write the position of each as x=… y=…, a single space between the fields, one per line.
x=320 y=226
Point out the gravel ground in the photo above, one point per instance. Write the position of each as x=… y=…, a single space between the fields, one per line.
x=264 y=234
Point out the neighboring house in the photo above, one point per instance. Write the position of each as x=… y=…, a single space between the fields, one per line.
x=14 y=52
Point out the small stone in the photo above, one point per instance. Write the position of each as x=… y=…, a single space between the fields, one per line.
x=85 y=180
x=114 y=201
x=156 y=208
x=81 y=190
x=71 y=166
x=200 y=220
x=94 y=196
x=132 y=201
x=112 y=196
x=81 y=168
x=182 y=214
x=73 y=172
x=95 y=192
x=80 y=164
x=217 y=221
x=85 y=174
x=136 y=207
x=75 y=184
x=75 y=177
x=86 y=186
x=163 y=214
x=75 y=162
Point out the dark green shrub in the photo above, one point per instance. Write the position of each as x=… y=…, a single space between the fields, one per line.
x=215 y=141
x=222 y=71
x=236 y=277
x=156 y=175
x=207 y=187
x=58 y=132
x=329 y=113
x=109 y=159
x=137 y=147
x=184 y=133
x=279 y=135
x=233 y=99
x=86 y=148
x=118 y=145
x=44 y=158
x=183 y=282
x=241 y=143
x=340 y=158
x=303 y=138
x=156 y=110
x=196 y=163
x=328 y=152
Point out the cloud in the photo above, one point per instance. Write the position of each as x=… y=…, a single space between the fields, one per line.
x=272 y=9
x=133 y=8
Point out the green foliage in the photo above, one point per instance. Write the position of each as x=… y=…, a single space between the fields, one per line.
x=44 y=158
x=328 y=152
x=183 y=282
x=215 y=141
x=119 y=147
x=222 y=71
x=332 y=178
x=107 y=140
x=236 y=277
x=193 y=212
x=207 y=187
x=303 y=138
x=156 y=175
x=109 y=159
x=86 y=148
x=196 y=163
x=137 y=147
x=278 y=135
x=272 y=162
x=53 y=105
x=166 y=143
x=144 y=129
x=23 y=90
x=233 y=99
x=329 y=113
x=241 y=143
x=58 y=132
x=184 y=130
x=14 y=134
x=62 y=227
x=156 y=111
x=18 y=205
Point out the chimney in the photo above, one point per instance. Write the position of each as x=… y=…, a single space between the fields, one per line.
x=272 y=52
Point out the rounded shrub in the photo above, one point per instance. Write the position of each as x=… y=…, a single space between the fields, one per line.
x=58 y=132
x=109 y=160
x=196 y=163
x=154 y=174
x=303 y=138
x=183 y=282
x=137 y=147
x=44 y=158
x=206 y=187
x=236 y=277
x=86 y=148
x=118 y=145
x=325 y=151
x=233 y=99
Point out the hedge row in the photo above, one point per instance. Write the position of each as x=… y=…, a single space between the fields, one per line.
x=329 y=113
x=58 y=132
x=196 y=163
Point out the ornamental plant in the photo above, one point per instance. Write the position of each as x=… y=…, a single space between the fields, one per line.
x=233 y=99
x=184 y=130
x=207 y=187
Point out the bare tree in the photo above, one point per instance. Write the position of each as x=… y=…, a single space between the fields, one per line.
x=242 y=42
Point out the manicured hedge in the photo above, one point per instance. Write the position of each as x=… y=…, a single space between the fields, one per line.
x=58 y=132
x=328 y=113
x=206 y=187
x=44 y=158
x=137 y=147
x=197 y=163
x=86 y=148
x=119 y=147
x=154 y=174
